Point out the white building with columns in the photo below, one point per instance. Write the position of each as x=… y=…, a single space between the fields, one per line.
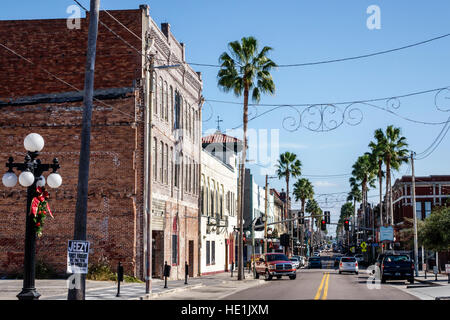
x=219 y=187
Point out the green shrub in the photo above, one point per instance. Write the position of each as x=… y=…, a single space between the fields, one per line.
x=101 y=271
x=45 y=271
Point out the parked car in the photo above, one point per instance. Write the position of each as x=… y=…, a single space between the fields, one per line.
x=348 y=264
x=301 y=259
x=295 y=262
x=275 y=264
x=397 y=267
x=314 y=262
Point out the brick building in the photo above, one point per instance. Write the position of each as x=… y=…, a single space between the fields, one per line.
x=31 y=100
x=431 y=191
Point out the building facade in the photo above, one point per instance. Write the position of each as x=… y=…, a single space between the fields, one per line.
x=33 y=100
x=219 y=177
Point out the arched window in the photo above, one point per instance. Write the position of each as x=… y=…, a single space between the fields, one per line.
x=171 y=107
x=221 y=202
x=213 y=186
x=155 y=94
x=208 y=200
x=217 y=199
x=155 y=159
x=162 y=162
x=161 y=98
x=166 y=102
x=170 y=177
x=166 y=169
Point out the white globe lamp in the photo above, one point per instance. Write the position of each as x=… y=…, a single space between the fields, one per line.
x=9 y=179
x=33 y=142
x=26 y=179
x=54 y=180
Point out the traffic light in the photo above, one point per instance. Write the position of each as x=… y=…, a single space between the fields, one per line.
x=323 y=225
x=346 y=225
x=327 y=217
x=301 y=219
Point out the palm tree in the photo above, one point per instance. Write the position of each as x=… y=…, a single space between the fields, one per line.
x=313 y=208
x=355 y=196
x=377 y=160
x=392 y=148
x=242 y=71
x=288 y=165
x=363 y=173
x=303 y=190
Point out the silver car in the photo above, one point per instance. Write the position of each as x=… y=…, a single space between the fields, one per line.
x=295 y=262
x=348 y=264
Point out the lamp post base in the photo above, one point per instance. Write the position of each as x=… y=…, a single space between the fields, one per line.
x=28 y=294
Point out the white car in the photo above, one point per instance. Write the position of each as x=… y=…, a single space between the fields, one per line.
x=295 y=262
x=348 y=264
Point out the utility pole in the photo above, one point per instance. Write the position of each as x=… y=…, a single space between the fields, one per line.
x=416 y=252
x=78 y=293
x=265 y=212
x=149 y=161
x=240 y=226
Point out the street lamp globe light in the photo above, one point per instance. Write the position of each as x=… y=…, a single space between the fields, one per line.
x=33 y=142
x=54 y=180
x=9 y=179
x=26 y=179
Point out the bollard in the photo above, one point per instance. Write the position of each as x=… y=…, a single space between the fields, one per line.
x=186 y=272
x=119 y=278
x=232 y=268
x=166 y=273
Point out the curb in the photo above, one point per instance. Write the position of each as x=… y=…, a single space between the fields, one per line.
x=158 y=294
x=429 y=283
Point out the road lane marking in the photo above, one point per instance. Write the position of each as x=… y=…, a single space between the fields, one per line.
x=325 y=289
x=319 y=291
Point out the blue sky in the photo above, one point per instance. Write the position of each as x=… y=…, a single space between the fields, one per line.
x=305 y=31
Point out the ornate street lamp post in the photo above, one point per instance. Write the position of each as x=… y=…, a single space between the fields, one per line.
x=31 y=177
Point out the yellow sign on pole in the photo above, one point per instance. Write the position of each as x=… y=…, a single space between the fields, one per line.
x=363 y=247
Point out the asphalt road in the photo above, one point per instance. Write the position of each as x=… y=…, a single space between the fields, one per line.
x=323 y=284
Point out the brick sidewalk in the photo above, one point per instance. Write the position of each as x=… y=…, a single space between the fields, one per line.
x=107 y=290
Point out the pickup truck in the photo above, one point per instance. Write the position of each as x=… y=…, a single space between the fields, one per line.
x=274 y=264
x=397 y=267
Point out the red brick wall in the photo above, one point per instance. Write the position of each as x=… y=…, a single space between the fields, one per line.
x=51 y=45
x=115 y=186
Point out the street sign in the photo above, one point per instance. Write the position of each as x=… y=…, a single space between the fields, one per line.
x=363 y=247
x=386 y=234
x=77 y=256
x=374 y=244
x=447 y=268
x=424 y=267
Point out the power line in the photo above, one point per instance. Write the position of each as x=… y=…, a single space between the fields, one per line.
x=342 y=59
x=425 y=154
x=332 y=103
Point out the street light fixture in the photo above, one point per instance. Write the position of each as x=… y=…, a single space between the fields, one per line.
x=31 y=178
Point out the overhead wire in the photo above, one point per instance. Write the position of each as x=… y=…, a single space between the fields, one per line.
x=342 y=59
